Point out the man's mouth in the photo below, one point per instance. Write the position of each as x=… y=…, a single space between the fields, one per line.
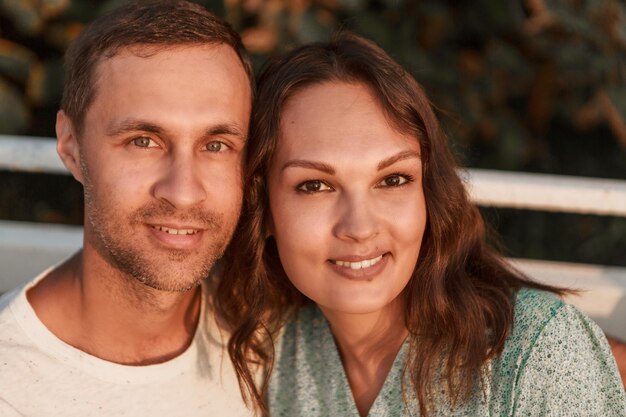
x=366 y=263
x=173 y=231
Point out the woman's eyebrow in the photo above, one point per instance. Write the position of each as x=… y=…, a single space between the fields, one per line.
x=398 y=157
x=320 y=166
x=302 y=163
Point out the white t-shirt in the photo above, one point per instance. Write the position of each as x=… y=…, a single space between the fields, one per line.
x=40 y=375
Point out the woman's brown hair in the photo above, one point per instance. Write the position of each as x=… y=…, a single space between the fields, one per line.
x=459 y=300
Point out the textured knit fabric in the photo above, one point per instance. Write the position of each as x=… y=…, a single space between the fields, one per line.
x=40 y=375
x=556 y=362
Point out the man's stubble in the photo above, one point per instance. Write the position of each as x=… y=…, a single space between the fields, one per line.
x=165 y=269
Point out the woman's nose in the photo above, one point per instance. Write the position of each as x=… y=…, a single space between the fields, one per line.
x=357 y=220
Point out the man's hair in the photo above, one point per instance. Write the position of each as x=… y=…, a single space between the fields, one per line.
x=158 y=24
x=459 y=300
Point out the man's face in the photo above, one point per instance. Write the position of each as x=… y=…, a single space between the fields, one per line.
x=160 y=155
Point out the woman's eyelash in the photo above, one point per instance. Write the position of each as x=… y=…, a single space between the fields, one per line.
x=408 y=177
x=397 y=179
x=313 y=186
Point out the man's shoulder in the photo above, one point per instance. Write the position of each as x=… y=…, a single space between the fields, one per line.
x=14 y=309
x=70 y=382
x=12 y=306
x=21 y=347
x=17 y=351
x=9 y=326
x=8 y=297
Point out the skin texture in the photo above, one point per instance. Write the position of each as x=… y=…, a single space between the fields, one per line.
x=345 y=185
x=162 y=146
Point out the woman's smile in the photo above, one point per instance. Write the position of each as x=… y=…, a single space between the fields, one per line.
x=356 y=264
x=367 y=269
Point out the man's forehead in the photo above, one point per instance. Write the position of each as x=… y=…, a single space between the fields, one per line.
x=138 y=62
x=149 y=51
x=172 y=86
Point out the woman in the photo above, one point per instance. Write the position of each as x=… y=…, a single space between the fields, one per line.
x=359 y=242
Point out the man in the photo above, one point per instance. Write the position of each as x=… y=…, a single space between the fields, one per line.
x=153 y=123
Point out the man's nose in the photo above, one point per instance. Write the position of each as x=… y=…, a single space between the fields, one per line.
x=357 y=219
x=180 y=184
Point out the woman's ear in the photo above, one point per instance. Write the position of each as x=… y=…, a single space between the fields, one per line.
x=68 y=147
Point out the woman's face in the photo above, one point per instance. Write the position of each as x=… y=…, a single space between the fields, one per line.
x=346 y=199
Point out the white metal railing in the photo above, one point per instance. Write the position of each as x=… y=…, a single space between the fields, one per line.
x=27 y=248
x=30 y=154
x=547 y=192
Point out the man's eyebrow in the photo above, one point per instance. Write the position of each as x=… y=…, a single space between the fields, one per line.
x=301 y=163
x=132 y=125
x=226 y=129
x=398 y=157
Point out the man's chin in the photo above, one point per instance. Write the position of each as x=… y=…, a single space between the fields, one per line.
x=160 y=285
x=173 y=275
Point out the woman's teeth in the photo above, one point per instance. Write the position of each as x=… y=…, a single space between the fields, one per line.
x=359 y=265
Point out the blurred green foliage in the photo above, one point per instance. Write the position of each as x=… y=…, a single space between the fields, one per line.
x=33 y=37
x=529 y=85
x=507 y=76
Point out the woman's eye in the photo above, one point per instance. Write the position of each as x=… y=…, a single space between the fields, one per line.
x=394 y=180
x=144 y=142
x=314 y=186
x=216 y=146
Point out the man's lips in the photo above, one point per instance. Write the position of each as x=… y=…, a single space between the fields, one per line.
x=176 y=230
x=176 y=236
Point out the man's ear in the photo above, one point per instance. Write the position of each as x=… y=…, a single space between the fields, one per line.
x=68 y=146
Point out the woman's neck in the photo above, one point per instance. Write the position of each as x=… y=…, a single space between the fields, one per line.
x=368 y=345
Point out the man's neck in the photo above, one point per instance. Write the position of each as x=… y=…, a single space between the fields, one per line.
x=94 y=307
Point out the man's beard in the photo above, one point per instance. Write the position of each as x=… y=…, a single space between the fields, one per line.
x=115 y=237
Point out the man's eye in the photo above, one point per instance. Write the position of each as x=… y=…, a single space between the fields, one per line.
x=314 y=186
x=216 y=146
x=144 y=142
x=394 y=180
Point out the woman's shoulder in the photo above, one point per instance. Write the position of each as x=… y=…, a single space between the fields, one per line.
x=305 y=330
x=307 y=378
x=542 y=316
x=533 y=310
x=305 y=322
x=557 y=358
x=548 y=333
